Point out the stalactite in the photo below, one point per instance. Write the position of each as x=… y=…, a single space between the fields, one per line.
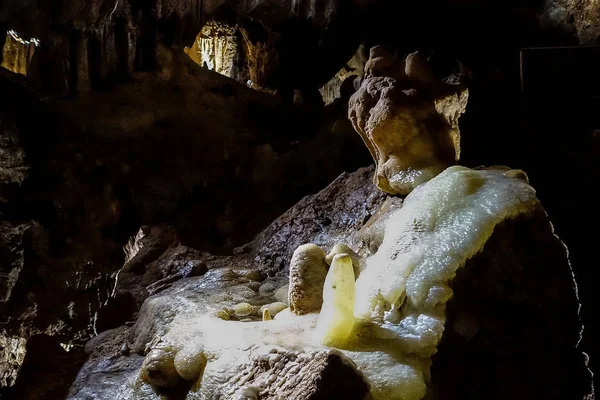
x=17 y=52
x=215 y=48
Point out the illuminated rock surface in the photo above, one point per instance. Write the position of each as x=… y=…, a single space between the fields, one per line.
x=73 y=199
x=216 y=47
x=408 y=118
x=578 y=18
x=457 y=222
x=17 y=53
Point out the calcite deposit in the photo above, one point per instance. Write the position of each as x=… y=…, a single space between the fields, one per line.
x=207 y=336
x=217 y=48
x=308 y=270
x=408 y=118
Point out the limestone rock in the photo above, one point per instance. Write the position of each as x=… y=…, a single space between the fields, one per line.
x=325 y=219
x=17 y=53
x=408 y=118
x=20 y=245
x=282 y=294
x=342 y=85
x=307 y=275
x=284 y=374
x=218 y=48
x=370 y=236
x=82 y=184
x=335 y=324
x=580 y=19
x=518 y=261
x=341 y=248
x=12 y=357
x=535 y=320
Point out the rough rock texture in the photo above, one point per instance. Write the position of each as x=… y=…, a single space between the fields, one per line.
x=217 y=47
x=408 y=118
x=177 y=146
x=161 y=260
x=109 y=362
x=348 y=202
x=325 y=219
x=93 y=43
x=530 y=338
x=13 y=354
x=307 y=271
x=174 y=321
x=17 y=53
x=310 y=376
x=581 y=18
x=348 y=79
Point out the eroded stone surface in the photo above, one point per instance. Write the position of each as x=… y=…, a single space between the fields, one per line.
x=325 y=219
x=275 y=373
x=217 y=47
x=537 y=326
x=17 y=53
x=91 y=185
x=392 y=343
x=408 y=118
x=581 y=18
x=307 y=275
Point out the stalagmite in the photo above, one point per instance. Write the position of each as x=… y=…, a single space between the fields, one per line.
x=336 y=319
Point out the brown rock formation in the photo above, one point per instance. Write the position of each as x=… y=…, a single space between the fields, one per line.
x=408 y=119
x=106 y=41
x=318 y=375
x=581 y=18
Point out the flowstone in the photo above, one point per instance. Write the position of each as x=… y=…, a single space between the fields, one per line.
x=380 y=331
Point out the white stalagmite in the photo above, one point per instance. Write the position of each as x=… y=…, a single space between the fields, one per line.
x=336 y=319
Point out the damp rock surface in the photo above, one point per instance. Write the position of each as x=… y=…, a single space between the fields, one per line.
x=406 y=318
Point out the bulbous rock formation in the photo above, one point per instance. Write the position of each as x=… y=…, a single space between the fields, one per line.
x=408 y=118
x=341 y=248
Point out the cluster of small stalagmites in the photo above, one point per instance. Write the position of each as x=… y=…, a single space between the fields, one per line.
x=246 y=312
x=170 y=367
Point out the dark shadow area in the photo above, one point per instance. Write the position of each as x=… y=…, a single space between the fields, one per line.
x=50 y=366
x=512 y=327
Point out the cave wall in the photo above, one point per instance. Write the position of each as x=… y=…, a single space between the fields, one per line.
x=197 y=175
